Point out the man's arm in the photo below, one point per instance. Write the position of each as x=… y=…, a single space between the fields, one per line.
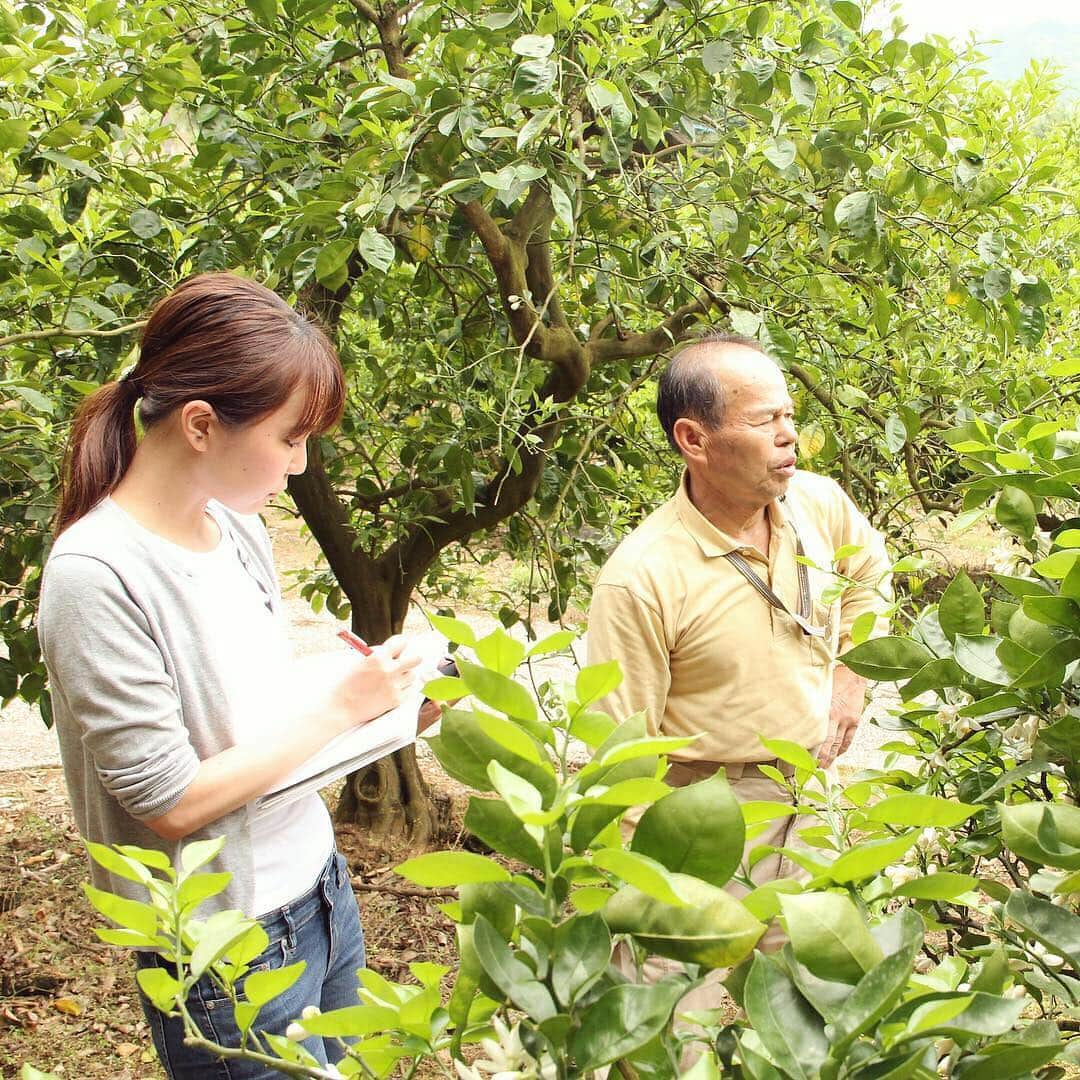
x=869 y=566
x=625 y=627
x=845 y=712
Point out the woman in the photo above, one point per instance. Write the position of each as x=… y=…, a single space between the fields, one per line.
x=161 y=627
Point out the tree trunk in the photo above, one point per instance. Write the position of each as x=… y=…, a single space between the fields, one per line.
x=390 y=800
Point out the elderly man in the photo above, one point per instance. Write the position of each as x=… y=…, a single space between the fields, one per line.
x=720 y=627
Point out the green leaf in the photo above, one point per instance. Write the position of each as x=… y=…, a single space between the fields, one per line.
x=710 y=927
x=984 y=1015
x=464 y=751
x=640 y=871
x=264 y=12
x=333 y=258
x=780 y=153
x=887 y=659
x=848 y=13
x=261 y=986
x=623 y=1019
x=493 y=822
x=978 y=657
x=1016 y=512
x=498 y=691
x=941 y=886
x=717 y=56
x=118 y=864
x=937 y=675
x=500 y=652
x=220 y=933
x=896 y=435
x=511 y=737
x=556 y=642
x=441 y=868
x=789 y=1029
x=592 y=728
x=910 y=808
x=695 y=830
x=513 y=977
x=160 y=987
x=875 y=994
x=1042 y=833
x=352 y=1020
x=1016 y=1054
x=376 y=250
x=869 y=857
x=145 y=224
x=130 y=914
x=581 y=949
x=997 y=281
x=597 y=681
x=198 y=853
x=961 y=609
x=537 y=46
x=639 y=748
x=857 y=214
x=199 y=887
x=14 y=135
x=791 y=752
x=803 y=88
x=829 y=937
x=455 y=630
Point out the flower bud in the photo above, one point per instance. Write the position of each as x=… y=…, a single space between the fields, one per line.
x=296 y=1032
x=309 y=1011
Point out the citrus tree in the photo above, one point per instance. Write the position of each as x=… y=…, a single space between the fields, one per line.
x=506 y=215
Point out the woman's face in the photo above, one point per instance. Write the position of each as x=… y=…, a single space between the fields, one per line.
x=248 y=466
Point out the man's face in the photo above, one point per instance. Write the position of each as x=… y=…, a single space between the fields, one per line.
x=750 y=456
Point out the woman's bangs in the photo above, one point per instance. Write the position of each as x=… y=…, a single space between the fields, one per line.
x=318 y=370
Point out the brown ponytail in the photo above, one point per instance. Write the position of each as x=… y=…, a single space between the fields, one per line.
x=217 y=338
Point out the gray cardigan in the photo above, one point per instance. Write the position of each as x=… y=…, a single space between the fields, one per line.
x=137 y=693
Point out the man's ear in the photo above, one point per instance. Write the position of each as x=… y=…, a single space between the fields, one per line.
x=196 y=421
x=690 y=437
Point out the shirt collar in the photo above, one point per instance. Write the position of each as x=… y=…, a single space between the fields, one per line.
x=712 y=541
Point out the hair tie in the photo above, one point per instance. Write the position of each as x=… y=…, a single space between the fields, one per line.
x=129 y=379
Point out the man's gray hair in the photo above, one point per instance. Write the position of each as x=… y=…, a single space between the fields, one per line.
x=688 y=388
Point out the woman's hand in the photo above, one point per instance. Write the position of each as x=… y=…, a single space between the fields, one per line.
x=373 y=684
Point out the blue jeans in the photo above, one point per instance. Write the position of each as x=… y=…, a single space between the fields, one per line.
x=321 y=927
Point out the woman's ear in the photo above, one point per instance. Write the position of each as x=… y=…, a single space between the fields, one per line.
x=197 y=419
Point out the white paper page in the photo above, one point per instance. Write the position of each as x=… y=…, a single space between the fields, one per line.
x=368 y=742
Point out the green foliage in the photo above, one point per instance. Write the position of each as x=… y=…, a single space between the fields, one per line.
x=859 y=990
x=505 y=215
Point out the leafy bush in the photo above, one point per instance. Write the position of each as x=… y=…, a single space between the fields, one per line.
x=909 y=956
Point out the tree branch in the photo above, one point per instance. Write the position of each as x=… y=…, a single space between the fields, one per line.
x=69 y=332
x=671 y=331
x=388 y=24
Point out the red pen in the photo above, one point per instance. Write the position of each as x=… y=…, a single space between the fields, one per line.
x=357 y=643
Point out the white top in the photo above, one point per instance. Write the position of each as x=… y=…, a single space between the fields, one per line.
x=290 y=843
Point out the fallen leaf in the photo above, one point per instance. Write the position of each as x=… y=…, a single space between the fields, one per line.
x=68 y=1006
x=126 y=1049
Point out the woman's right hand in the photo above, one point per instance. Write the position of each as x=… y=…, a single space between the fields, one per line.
x=373 y=684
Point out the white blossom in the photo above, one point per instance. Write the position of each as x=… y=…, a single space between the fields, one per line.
x=899 y=874
x=506 y=1058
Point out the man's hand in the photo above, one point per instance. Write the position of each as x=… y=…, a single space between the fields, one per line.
x=845 y=712
x=430 y=711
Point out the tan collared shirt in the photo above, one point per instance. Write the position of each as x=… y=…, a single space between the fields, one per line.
x=703 y=651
